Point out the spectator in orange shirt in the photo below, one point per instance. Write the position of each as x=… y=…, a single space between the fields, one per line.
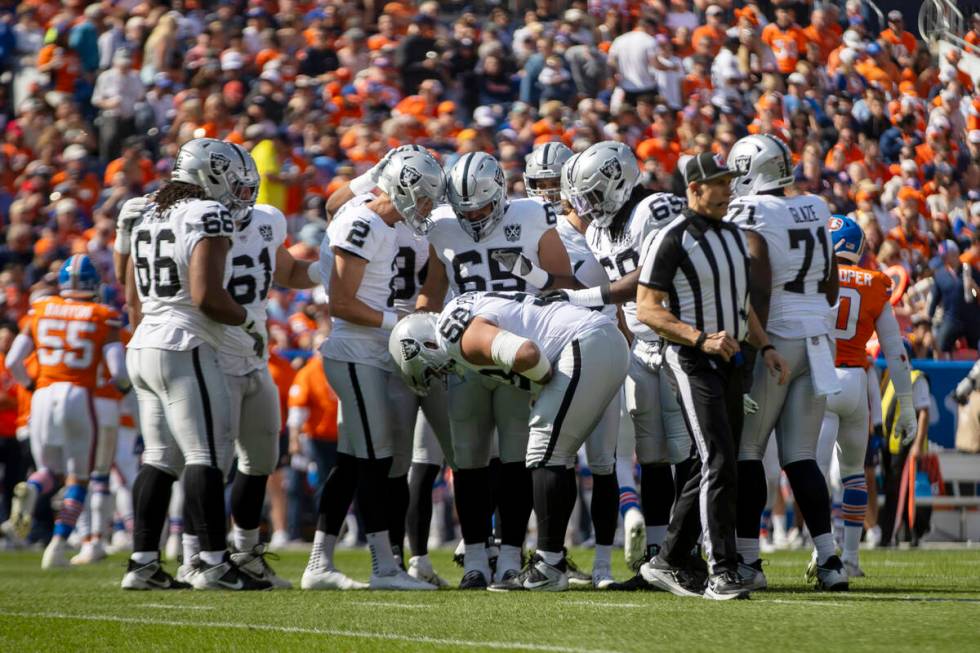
x=901 y=43
x=133 y=164
x=973 y=36
x=908 y=234
x=822 y=33
x=386 y=36
x=423 y=106
x=714 y=29
x=698 y=79
x=312 y=422
x=75 y=180
x=10 y=452
x=60 y=62
x=785 y=38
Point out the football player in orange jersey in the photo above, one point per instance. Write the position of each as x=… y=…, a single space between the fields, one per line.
x=73 y=335
x=862 y=309
x=107 y=401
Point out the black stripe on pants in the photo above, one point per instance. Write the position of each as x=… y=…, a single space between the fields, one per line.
x=566 y=402
x=710 y=395
x=361 y=409
x=206 y=402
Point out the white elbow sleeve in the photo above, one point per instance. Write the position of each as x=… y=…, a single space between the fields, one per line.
x=314 y=273
x=115 y=360
x=19 y=351
x=297 y=417
x=504 y=348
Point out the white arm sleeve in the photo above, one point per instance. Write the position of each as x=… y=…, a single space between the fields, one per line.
x=115 y=360
x=890 y=338
x=874 y=396
x=19 y=351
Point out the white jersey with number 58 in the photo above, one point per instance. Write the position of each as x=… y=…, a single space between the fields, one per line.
x=162 y=244
x=800 y=251
x=253 y=262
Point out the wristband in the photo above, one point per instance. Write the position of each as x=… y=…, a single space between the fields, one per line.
x=699 y=343
x=762 y=352
x=540 y=370
x=588 y=297
x=314 y=273
x=389 y=320
x=536 y=277
x=363 y=184
x=122 y=245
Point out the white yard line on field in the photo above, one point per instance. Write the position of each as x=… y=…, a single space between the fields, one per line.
x=168 y=606
x=606 y=604
x=328 y=632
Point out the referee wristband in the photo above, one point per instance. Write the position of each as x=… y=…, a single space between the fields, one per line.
x=699 y=343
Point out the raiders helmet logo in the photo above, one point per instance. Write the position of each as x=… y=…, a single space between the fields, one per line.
x=410 y=348
x=409 y=176
x=742 y=163
x=499 y=177
x=512 y=232
x=265 y=231
x=219 y=163
x=612 y=169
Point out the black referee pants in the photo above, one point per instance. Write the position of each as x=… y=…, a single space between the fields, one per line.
x=710 y=395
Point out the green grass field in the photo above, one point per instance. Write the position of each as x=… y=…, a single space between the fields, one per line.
x=911 y=600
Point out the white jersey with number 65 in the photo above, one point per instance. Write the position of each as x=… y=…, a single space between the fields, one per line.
x=800 y=251
x=162 y=244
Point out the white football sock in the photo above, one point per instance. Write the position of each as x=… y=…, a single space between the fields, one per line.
x=825 y=547
x=509 y=558
x=191 y=545
x=144 y=557
x=321 y=556
x=779 y=526
x=382 y=559
x=551 y=557
x=475 y=559
x=852 y=542
x=213 y=557
x=245 y=540
x=603 y=555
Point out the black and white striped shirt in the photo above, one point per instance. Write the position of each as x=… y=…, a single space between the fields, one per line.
x=703 y=266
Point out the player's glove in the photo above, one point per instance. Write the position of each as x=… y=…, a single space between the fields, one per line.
x=587 y=297
x=749 y=405
x=258 y=341
x=522 y=267
x=129 y=214
x=907 y=424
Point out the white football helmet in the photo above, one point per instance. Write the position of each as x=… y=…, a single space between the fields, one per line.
x=226 y=172
x=544 y=164
x=601 y=180
x=765 y=164
x=414 y=347
x=411 y=177
x=475 y=185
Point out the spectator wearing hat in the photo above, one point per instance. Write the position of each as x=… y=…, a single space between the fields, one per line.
x=117 y=90
x=76 y=180
x=59 y=62
x=418 y=55
x=961 y=316
x=901 y=43
x=714 y=29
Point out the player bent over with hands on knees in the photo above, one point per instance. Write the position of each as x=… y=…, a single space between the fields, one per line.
x=694 y=292
x=356 y=261
x=542 y=349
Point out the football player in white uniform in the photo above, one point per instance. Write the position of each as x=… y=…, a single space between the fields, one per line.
x=176 y=289
x=356 y=261
x=259 y=258
x=601 y=187
x=791 y=253
x=479 y=222
x=542 y=349
x=542 y=178
x=421 y=410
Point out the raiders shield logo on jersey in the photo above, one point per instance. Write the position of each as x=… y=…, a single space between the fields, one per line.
x=265 y=230
x=219 y=163
x=409 y=176
x=410 y=349
x=612 y=169
x=512 y=232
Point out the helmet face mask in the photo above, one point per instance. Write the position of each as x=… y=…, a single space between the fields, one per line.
x=475 y=185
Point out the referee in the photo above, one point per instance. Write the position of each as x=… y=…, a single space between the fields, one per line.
x=694 y=292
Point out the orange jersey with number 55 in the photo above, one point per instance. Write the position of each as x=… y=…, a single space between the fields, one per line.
x=69 y=336
x=863 y=295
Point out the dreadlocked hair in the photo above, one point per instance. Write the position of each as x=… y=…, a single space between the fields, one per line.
x=618 y=224
x=177 y=191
